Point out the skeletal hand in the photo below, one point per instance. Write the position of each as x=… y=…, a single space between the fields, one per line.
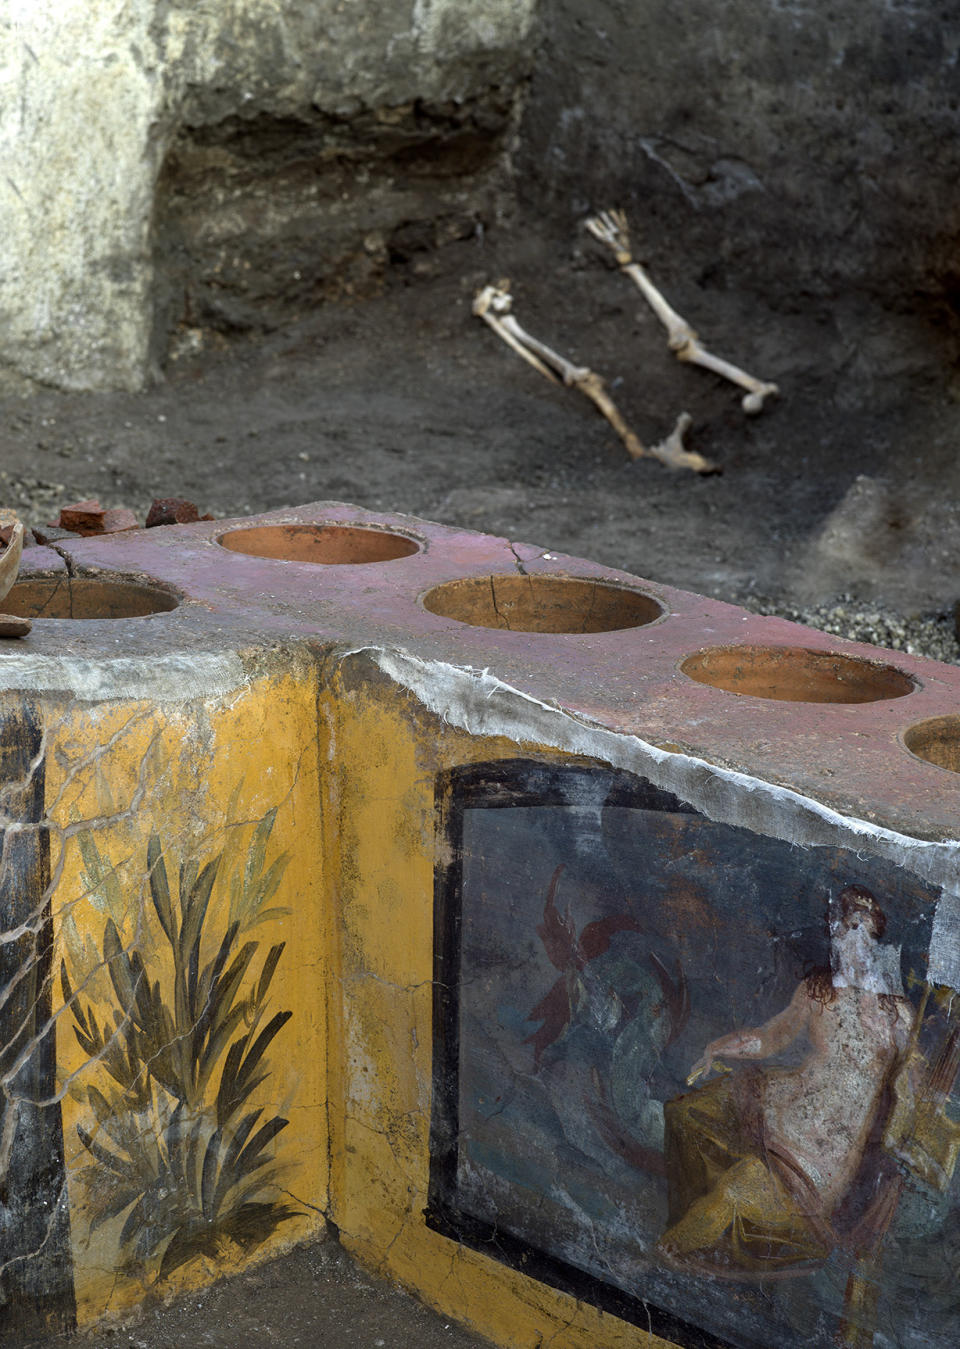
x=610 y=228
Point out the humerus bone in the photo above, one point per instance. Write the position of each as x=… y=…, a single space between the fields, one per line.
x=610 y=227
x=493 y=304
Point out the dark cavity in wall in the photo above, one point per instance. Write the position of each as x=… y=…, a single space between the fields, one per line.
x=259 y=220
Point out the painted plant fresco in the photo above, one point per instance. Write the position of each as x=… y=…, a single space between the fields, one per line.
x=682 y=1065
x=178 y=1159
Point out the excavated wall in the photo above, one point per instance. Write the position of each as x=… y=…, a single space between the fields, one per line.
x=164 y=159
x=170 y=168
x=797 y=146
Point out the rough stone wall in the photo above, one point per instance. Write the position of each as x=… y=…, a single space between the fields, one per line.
x=797 y=146
x=102 y=97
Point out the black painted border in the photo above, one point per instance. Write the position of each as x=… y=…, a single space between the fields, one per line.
x=36 y=1267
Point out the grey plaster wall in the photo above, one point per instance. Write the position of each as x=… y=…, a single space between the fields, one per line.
x=795 y=145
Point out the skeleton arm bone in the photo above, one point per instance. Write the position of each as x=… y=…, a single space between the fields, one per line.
x=757 y=389
x=610 y=228
x=483 y=308
x=493 y=305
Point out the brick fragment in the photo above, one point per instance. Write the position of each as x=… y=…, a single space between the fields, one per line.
x=6 y=534
x=116 y=521
x=83 y=517
x=172 y=511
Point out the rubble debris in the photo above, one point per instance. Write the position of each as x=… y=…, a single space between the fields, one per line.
x=7 y=531
x=52 y=534
x=173 y=511
x=932 y=635
x=493 y=304
x=118 y=520
x=83 y=517
x=87 y=518
x=610 y=228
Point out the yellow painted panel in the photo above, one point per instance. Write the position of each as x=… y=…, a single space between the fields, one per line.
x=190 y=984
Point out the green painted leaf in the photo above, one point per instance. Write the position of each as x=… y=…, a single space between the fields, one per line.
x=251 y=1157
x=118 y=963
x=208 y=1181
x=103 y=883
x=269 y=966
x=160 y=888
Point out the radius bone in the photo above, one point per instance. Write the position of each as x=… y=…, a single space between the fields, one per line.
x=494 y=303
x=487 y=304
x=610 y=228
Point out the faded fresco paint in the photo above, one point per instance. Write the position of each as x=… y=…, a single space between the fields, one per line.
x=190 y=978
x=672 y=1078
x=387 y=756
x=690 y=1084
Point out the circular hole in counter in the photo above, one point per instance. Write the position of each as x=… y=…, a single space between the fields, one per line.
x=936 y=741
x=519 y=603
x=86 y=597
x=796 y=674
x=329 y=545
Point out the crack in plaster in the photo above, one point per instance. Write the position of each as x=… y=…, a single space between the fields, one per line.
x=48 y=1234
x=67 y=558
x=304 y=1203
x=518 y=560
x=390 y=983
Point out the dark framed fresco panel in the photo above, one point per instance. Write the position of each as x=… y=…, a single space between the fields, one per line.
x=36 y=1273
x=689 y=1073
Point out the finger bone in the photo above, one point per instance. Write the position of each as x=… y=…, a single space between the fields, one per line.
x=611 y=228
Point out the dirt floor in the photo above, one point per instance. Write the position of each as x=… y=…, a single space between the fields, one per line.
x=313 y=1298
x=845 y=485
x=842 y=496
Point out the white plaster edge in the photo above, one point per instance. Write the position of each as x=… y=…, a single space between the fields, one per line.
x=482 y=704
x=177 y=678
